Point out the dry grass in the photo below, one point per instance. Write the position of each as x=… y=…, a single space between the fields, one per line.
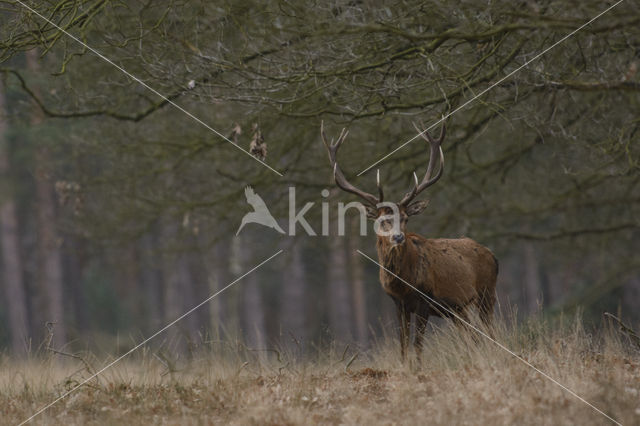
x=459 y=381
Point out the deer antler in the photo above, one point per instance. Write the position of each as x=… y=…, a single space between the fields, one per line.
x=427 y=181
x=341 y=181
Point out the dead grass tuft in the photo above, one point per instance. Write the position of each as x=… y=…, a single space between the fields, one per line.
x=370 y=373
x=460 y=380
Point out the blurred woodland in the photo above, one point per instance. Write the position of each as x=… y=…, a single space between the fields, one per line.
x=118 y=211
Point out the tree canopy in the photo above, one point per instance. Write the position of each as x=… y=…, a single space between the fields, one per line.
x=541 y=112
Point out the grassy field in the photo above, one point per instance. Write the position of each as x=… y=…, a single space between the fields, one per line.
x=460 y=380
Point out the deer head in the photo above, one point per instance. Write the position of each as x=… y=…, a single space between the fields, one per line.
x=391 y=218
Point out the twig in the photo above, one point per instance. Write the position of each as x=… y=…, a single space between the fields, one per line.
x=48 y=347
x=242 y=368
x=353 y=358
x=282 y=367
x=295 y=340
x=344 y=354
x=625 y=329
x=169 y=364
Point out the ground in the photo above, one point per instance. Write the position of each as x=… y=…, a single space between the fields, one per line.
x=460 y=380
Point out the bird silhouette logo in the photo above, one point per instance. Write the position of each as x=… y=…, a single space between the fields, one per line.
x=261 y=213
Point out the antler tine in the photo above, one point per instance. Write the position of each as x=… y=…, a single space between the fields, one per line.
x=443 y=132
x=323 y=136
x=327 y=144
x=331 y=146
x=341 y=180
x=342 y=137
x=427 y=180
x=380 y=193
x=419 y=127
x=430 y=138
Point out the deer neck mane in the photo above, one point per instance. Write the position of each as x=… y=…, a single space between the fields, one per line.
x=395 y=257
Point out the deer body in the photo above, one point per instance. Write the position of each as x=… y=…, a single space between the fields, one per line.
x=453 y=274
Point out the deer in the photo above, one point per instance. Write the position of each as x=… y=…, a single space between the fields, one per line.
x=455 y=274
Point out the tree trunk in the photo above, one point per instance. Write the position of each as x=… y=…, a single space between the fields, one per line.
x=151 y=281
x=631 y=295
x=12 y=277
x=128 y=281
x=50 y=276
x=531 y=279
x=254 y=318
x=340 y=305
x=178 y=292
x=76 y=258
x=358 y=287
x=218 y=277
x=231 y=299
x=294 y=297
x=254 y=313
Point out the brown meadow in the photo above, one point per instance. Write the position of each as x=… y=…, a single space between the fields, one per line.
x=460 y=381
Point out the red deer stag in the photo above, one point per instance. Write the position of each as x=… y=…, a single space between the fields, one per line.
x=456 y=273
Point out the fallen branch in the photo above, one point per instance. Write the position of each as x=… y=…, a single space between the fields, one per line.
x=51 y=349
x=625 y=329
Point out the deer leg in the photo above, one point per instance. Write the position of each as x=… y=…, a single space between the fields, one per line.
x=421 y=326
x=404 y=318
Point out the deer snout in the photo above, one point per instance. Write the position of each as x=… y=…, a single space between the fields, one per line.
x=397 y=238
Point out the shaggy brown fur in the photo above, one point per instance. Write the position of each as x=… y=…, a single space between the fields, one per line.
x=456 y=273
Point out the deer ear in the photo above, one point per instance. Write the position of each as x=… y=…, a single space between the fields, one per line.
x=416 y=207
x=372 y=212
